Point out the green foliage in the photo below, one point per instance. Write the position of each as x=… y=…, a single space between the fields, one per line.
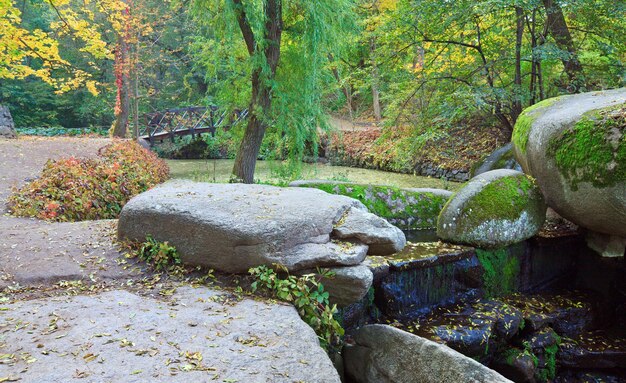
x=403 y=208
x=500 y=271
x=593 y=150
x=159 y=254
x=55 y=131
x=71 y=189
x=311 y=31
x=307 y=295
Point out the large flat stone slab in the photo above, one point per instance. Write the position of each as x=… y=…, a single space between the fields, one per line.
x=34 y=252
x=118 y=336
x=232 y=227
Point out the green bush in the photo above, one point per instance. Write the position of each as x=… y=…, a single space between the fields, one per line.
x=73 y=189
x=54 y=131
x=307 y=295
x=159 y=254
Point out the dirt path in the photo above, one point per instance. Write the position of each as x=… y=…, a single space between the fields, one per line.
x=74 y=309
x=345 y=125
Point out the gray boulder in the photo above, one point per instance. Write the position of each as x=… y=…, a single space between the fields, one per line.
x=409 y=209
x=232 y=227
x=382 y=237
x=7 y=128
x=576 y=149
x=501 y=158
x=495 y=209
x=348 y=285
x=384 y=354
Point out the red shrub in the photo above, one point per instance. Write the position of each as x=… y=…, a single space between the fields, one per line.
x=72 y=189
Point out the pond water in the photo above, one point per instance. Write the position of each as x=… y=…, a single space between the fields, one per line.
x=274 y=172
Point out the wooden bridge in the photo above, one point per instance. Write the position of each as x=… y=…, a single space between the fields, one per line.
x=188 y=121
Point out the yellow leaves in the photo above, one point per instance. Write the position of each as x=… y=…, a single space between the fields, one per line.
x=387 y=5
x=75 y=22
x=91 y=87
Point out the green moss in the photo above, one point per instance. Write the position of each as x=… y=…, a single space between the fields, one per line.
x=403 y=208
x=525 y=121
x=593 y=150
x=500 y=271
x=502 y=162
x=504 y=198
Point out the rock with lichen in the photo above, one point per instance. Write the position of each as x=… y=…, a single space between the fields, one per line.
x=576 y=149
x=495 y=209
x=7 y=128
x=408 y=208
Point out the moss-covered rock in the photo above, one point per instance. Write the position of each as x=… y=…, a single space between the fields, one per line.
x=493 y=210
x=575 y=147
x=408 y=209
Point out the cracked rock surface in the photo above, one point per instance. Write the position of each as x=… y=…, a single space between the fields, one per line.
x=232 y=227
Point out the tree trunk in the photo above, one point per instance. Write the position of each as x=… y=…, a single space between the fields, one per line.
x=345 y=88
x=245 y=162
x=517 y=102
x=261 y=101
x=375 y=92
x=120 y=126
x=561 y=34
x=122 y=81
x=532 y=88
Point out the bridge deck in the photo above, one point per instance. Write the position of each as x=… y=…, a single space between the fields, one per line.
x=178 y=122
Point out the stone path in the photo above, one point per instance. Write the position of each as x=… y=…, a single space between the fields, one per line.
x=73 y=308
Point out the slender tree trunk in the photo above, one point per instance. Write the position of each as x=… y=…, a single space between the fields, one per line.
x=123 y=57
x=375 y=76
x=563 y=38
x=533 y=68
x=261 y=101
x=122 y=106
x=517 y=103
x=345 y=88
x=135 y=67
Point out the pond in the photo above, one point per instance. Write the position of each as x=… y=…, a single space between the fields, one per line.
x=273 y=172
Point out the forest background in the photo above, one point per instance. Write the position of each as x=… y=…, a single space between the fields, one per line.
x=424 y=71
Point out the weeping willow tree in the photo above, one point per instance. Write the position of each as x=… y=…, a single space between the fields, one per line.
x=281 y=47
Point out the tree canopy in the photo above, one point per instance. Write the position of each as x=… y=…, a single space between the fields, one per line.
x=421 y=65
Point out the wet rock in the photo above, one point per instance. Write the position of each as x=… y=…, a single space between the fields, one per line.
x=568 y=314
x=596 y=349
x=573 y=145
x=231 y=227
x=382 y=237
x=516 y=364
x=493 y=210
x=472 y=329
x=384 y=354
x=542 y=346
x=577 y=376
x=610 y=246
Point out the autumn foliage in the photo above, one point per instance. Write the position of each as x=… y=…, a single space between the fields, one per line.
x=76 y=189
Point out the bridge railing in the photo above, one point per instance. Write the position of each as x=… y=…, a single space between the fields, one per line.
x=188 y=121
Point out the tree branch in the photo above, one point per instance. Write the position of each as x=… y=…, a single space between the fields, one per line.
x=246 y=30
